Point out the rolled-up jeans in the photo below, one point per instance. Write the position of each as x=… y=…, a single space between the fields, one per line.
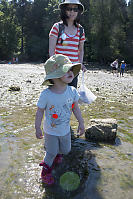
x=56 y=145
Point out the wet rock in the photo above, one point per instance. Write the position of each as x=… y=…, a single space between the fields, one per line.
x=80 y=163
x=102 y=130
x=14 y=88
x=77 y=162
x=28 y=81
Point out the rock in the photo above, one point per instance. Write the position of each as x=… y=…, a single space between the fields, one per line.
x=77 y=162
x=97 y=89
x=14 y=88
x=28 y=81
x=102 y=130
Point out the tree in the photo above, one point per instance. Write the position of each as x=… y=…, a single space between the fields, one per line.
x=8 y=31
x=129 y=41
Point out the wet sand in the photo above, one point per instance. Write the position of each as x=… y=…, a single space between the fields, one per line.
x=110 y=167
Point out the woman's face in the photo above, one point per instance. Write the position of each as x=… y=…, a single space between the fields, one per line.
x=72 y=11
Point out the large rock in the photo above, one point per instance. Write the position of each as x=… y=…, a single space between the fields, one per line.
x=102 y=130
x=76 y=162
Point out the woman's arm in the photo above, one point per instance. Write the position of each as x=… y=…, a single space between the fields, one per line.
x=52 y=45
x=77 y=113
x=81 y=51
x=81 y=55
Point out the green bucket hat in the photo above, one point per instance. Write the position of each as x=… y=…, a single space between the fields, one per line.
x=57 y=66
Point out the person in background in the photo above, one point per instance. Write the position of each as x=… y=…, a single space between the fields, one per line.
x=71 y=40
x=13 y=60
x=114 y=66
x=58 y=101
x=16 y=60
x=122 y=68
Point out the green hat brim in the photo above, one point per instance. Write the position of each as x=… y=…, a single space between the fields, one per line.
x=60 y=73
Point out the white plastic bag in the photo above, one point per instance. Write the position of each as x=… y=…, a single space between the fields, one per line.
x=86 y=96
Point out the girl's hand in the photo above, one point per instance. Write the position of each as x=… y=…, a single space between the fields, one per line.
x=84 y=69
x=39 y=134
x=81 y=129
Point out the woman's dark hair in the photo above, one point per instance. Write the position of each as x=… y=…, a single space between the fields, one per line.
x=64 y=16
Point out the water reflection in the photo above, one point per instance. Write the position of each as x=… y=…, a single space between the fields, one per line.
x=85 y=166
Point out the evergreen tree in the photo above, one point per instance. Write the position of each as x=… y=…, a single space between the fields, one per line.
x=129 y=41
x=8 y=31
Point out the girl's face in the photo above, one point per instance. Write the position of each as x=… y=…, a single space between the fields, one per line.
x=72 y=11
x=68 y=77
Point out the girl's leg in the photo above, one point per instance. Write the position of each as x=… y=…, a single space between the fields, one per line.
x=65 y=144
x=52 y=148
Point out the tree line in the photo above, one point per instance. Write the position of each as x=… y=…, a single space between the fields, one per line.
x=25 y=26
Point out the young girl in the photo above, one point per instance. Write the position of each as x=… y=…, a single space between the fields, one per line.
x=58 y=101
x=69 y=42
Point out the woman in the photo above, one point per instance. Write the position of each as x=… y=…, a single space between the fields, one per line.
x=114 y=66
x=70 y=41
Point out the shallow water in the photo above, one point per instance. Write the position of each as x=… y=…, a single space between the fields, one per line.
x=110 y=166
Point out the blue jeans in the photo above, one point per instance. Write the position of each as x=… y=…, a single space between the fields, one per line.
x=122 y=71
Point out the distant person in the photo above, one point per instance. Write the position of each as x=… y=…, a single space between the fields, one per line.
x=67 y=37
x=57 y=101
x=122 y=68
x=16 y=60
x=114 y=66
x=13 y=60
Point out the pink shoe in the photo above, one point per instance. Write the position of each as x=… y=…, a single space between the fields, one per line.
x=58 y=159
x=46 y=174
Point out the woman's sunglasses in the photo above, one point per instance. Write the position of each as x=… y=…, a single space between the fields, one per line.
x=74 y=9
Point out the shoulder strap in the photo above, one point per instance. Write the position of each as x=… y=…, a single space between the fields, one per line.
x=81 y=31
x=61 y=30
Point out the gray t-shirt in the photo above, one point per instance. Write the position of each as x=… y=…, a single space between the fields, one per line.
x=58 y=110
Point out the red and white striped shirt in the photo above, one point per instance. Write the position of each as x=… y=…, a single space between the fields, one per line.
x=70 y=45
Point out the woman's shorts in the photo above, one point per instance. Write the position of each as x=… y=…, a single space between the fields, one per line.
x=114 y=68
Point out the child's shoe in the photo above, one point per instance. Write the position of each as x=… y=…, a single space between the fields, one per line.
x=46 y=174
x=58 y=159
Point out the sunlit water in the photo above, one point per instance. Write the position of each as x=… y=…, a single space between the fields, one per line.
x=110 y=166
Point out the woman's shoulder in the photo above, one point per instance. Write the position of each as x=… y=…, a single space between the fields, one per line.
x=57 y=24
x=80 y=26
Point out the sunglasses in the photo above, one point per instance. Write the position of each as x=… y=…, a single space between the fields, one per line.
x=74 y=9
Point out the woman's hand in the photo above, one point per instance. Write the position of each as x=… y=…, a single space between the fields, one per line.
x=84 y=69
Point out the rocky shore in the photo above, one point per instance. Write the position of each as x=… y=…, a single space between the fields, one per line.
x=104 y=169
x=29 y=77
